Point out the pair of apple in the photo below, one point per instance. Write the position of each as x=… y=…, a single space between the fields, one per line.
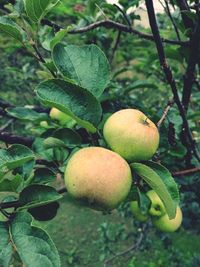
x=158 y=213
x=103 y=177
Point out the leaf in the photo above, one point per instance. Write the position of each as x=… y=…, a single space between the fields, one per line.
x=167 y=178
x=58 y=37
x=43 y=176
x=157 y=184
x=15 y=156
x=73 y=100
x=28 y=114
x=5 y=246
x=10 y=185
x=86 y=65
x=11 y=28
x=46 y=212
x=140 y=84
x=35 y=9
x=37 y=195
x=33 y=244
x=69 y=137
x=52 y=142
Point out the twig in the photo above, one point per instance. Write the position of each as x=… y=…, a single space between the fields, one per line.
x=124 y=15
x=172 y=20
x=186 y=172
x=117 y=26
x=6 y=125
x=130 y=249
x=165 y=112
x=15 y=139
x=191 y=146
x=115 y=46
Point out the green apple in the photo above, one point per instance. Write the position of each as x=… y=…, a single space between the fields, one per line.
x=157 y=207
x=164 y=224
x=62 y=118
x=44 y=124
x=135 y=209
x=99 y=177
x=131 y=134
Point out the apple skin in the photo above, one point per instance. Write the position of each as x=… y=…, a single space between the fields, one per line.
x=137 y=212
x=164 y=224
x=99 y=177
x=61 y=117
x=131 y=134
x=157 y=207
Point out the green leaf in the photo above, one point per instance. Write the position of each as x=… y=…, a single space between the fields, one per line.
x=153 y=179
x=11 y=28
x=69 y=137
x=35 y=9
x=58 y=37
x=86 y=65
x=43 y=176
x=10 y=185
x=140 y=84
x=5 y=246
x=15 y=156
x=45 y=212
x=28 y=114
x=73 y=100
x=52 y=142
x=37 y=195
x=167 y=178
x=33 y=244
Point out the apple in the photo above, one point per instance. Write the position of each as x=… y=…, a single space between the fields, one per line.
x=99 y=177
x=131 y=134
x=164 y=224
x=157 y=207
x=61 y=117
x=44 y=124
x=135 y=209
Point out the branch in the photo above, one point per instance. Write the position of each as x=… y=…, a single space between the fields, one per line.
x=186 y=172
x=191 y=146
x=114 y=25
x=172 y=20
x=15 y=139
x=165 y=112
x=6 y=125
x=189 y=77
x=182 y=4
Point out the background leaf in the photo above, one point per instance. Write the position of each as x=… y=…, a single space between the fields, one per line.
x=35 y=9
x=23 y=113
x=5 y=246
x=15 y=156
x=11 y=28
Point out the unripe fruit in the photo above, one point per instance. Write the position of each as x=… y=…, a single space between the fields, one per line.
x=135 y=209
x=61 y=117
x=157 y=207
x=131 y=134
x=164 y=224
x=99 y=176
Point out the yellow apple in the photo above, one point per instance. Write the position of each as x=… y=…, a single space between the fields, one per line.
x=157 y=207
x=164 y=224
x=135 y=209
x=99 y=177
x=131 y=134
x=61 y=117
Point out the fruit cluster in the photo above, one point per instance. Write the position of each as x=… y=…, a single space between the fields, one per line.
x=102 y=178
x=157 y=213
